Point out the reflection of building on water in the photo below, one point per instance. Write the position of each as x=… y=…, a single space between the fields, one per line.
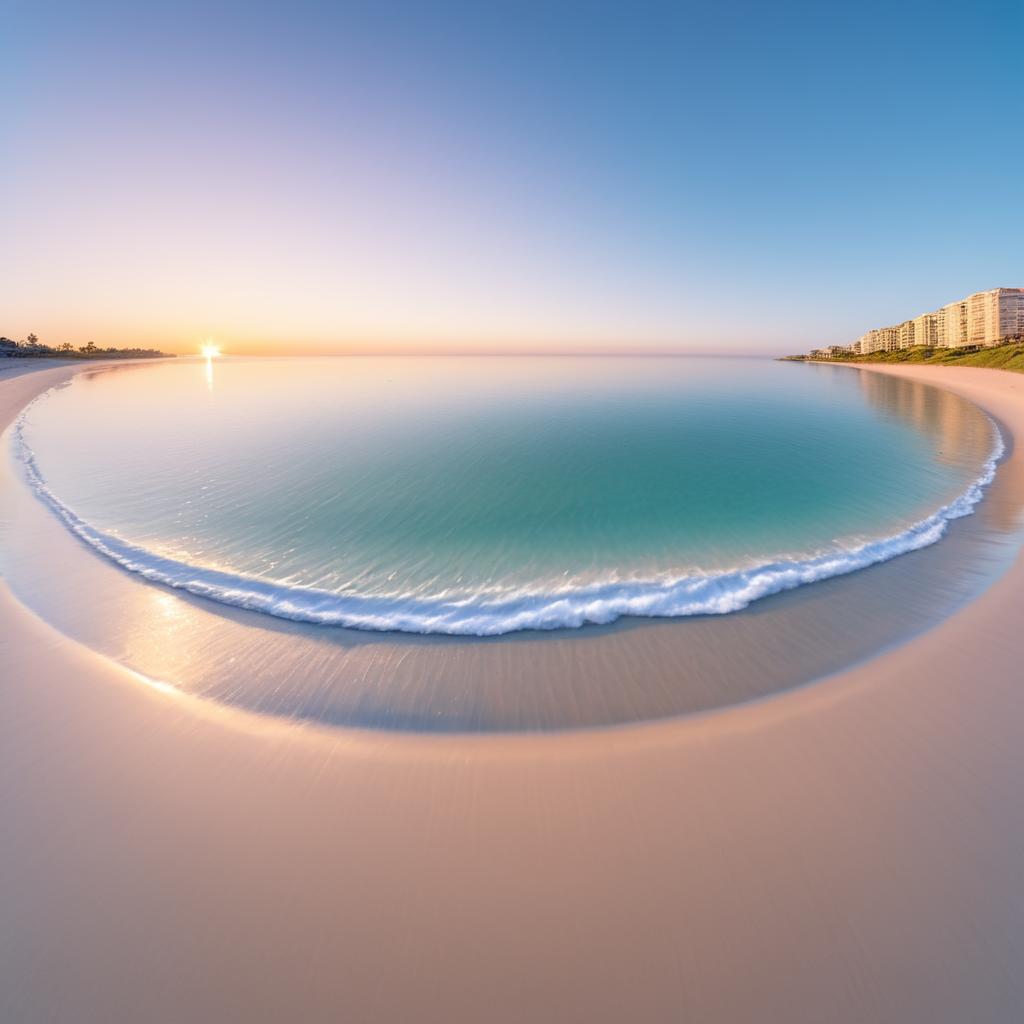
x=963 y=435
x=961 y=430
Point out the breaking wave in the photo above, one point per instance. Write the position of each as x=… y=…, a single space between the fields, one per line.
x=492 y=614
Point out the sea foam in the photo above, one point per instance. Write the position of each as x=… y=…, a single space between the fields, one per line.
x=490 y=614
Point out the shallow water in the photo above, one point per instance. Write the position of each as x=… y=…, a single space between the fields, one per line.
x=634 y=669
x=487 y=495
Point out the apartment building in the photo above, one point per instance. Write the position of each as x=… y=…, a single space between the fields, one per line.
x=979 y=318
x=995 y=314
x=954 y=327
x=889 y=338
x=984 y=318
x=868 y=343
x=927 y=329
x=1011 y=312
x=906 y=334
x=831 y=352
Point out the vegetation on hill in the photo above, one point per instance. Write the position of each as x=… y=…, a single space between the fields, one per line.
x=32 y=348
x=1007 y=356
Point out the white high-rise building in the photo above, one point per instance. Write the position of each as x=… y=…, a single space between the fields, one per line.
x=954 y=317
x=1011 y=312
x=979 y=318
x=868 y=343
x=906 y=334
x=926 y=329
x=984 y=318
x=889 y=338
x=995 y=315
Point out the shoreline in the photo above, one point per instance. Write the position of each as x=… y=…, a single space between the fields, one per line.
x=846 y=851
x=1002 y=411
x=526 y=681
x=599 y=602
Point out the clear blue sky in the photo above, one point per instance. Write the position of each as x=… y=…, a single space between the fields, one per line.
x=714 y=177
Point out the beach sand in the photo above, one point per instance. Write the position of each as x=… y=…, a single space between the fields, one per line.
x=850 y=851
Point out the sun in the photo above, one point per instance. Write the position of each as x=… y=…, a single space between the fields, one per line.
x=209 y=351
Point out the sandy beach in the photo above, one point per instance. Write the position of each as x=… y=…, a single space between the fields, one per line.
x=849 y=851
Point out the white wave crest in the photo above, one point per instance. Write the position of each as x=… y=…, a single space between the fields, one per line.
x=491 y=614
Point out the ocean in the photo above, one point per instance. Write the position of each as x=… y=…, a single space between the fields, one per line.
x=487 y=495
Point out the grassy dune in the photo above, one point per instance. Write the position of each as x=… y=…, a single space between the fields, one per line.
x=1009 y=356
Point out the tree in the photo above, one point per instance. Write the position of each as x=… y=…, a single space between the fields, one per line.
x=32 y=340
x=67 y=347
x=88 y=349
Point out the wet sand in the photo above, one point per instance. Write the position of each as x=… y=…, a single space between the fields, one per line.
x=848 y=851
x=636 y=669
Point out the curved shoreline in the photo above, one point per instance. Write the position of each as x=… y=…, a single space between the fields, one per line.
x=501 y=613
x=851 y=849
x=532 y=680
x=529 y=681
x=999 y=393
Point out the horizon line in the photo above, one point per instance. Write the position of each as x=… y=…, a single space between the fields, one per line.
x=453 y=353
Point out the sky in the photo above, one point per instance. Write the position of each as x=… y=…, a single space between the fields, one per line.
x=445 y=176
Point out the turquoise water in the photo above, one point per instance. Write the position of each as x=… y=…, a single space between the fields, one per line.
x=485 y=495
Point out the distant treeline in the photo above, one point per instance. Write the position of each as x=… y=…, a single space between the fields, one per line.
x=1006 y=356
x=33 y=348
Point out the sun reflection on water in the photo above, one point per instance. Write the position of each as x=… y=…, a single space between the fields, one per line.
x=209 y=351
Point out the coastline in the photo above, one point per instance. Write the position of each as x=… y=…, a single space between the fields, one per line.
x=851 y=849
x=601 y=602
x=525 y=681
